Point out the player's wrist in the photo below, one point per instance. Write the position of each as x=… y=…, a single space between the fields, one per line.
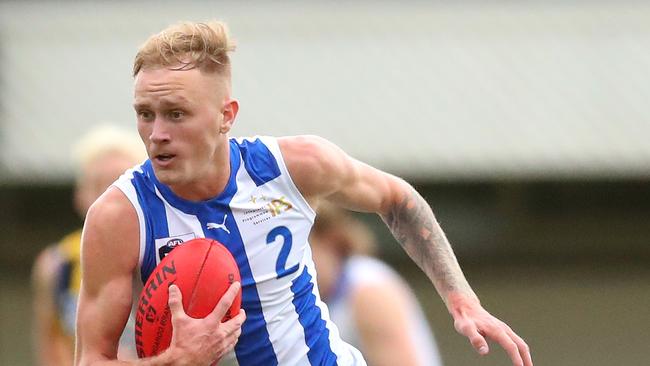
x=172 y=356
x=459 y=302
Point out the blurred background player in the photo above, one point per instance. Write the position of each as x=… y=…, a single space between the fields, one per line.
x=101 y=157
x=373 y=307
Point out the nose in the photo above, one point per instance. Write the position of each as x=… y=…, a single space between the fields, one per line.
x=159 y=133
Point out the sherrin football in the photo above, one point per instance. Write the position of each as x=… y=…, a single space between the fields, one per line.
x=203 y=269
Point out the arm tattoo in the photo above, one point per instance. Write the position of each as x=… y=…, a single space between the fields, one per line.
x=413 y=224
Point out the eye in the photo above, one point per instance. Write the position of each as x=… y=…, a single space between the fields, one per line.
x=145 y=115
x=176 y=115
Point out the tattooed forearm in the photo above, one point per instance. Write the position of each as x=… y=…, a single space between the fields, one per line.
x=413 y=224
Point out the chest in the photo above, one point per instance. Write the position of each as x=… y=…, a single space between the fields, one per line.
x=265 y=231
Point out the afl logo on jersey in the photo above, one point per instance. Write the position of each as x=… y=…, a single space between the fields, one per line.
x=171 y=244
x=165 y=245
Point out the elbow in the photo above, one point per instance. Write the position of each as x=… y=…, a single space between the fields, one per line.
x=399 y=192
x=84 y=359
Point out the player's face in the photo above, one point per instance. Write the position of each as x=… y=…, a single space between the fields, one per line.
x=183 y=120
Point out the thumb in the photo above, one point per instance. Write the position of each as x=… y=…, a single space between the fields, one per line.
x=175 y=301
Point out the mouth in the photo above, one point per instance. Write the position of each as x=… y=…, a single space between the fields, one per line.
x=163 y=159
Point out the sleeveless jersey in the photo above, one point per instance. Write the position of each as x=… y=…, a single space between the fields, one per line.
x=360 y=271
x=264 y=221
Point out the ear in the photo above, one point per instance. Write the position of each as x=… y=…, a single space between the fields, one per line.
x=229 y=111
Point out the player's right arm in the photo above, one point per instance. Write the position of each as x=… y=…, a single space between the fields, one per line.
x=109 y=256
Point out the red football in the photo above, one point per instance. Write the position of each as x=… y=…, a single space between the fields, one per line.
x=203 y=269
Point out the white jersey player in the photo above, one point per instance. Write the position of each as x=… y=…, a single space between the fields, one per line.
x=200 y=182
x=264 y=221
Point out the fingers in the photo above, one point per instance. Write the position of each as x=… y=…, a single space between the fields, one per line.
x=515 y=347
x=232 y=330
x=231 y=346
x=479 y=343
x=241 y=317
x=474 y=322
x=509 y=345
x=469 y=330
x=226 y=350
x=226 y=300
x=234 y=325
x=524 y=350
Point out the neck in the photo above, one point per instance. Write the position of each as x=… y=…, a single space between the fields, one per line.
x=212 y=183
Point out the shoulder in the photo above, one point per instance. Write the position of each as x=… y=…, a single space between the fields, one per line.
x=111 y=226
x=316 y=165
x=310 y=150
x=111 y=209
x=322 y=170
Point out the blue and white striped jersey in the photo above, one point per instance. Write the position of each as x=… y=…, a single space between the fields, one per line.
x=264 y=221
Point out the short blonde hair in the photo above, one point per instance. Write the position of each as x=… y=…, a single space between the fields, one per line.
x=188 y=45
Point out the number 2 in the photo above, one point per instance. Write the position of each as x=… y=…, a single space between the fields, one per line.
x=280 y=264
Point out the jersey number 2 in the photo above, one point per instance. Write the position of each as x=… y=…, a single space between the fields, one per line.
x=281 y=263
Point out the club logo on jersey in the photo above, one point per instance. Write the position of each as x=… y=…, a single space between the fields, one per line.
x=269 y=208
x=278 y=206
x=222 y=226
x=165 y=245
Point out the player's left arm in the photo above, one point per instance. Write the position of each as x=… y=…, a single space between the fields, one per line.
x=322 y=171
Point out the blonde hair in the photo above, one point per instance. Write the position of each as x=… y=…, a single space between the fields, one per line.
x=349 y=235
x=188 y=45
x=103 y=140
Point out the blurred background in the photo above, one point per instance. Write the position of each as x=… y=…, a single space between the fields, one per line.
x=524 y=124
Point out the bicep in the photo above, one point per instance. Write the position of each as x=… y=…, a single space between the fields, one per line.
x=367 y=189
x=109 y=256
x=102 y=315
x=321 y=170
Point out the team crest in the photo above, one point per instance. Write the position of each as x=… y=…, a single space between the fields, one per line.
x=165 y=245
x=267 y=208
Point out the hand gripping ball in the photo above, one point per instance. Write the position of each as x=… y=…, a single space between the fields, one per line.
x=203 y=269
